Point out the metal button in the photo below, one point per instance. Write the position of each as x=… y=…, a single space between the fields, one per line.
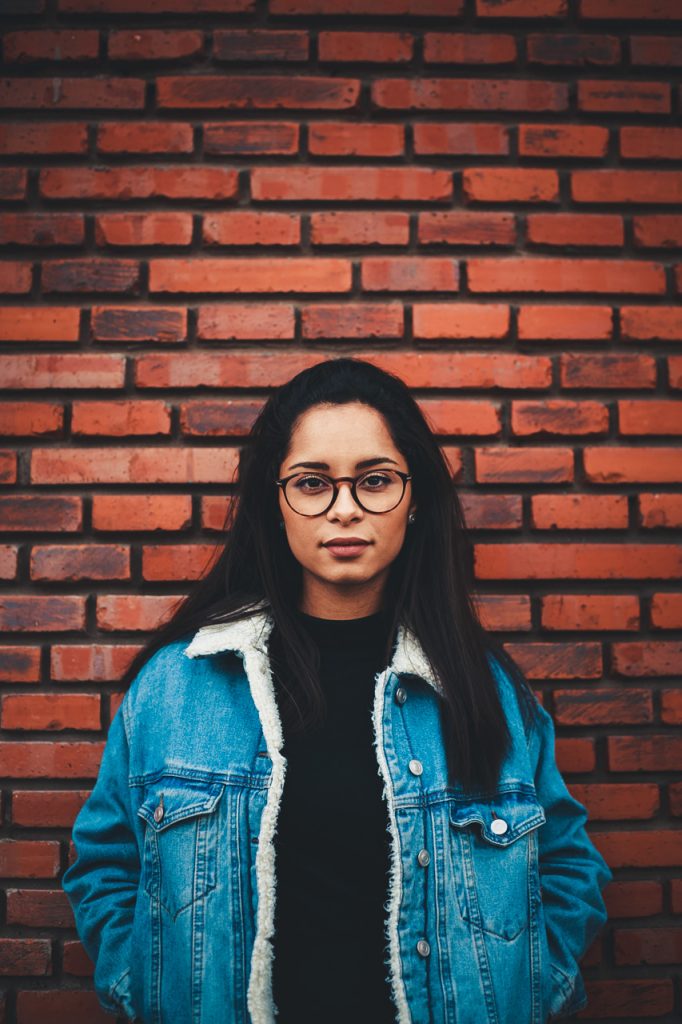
x=158 y=811
x=423 y=947
x=499 y=826
x=416 y=767
x=400 y=695
x=424 y=858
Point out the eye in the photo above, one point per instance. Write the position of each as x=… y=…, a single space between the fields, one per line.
x=376 y=481
x=309 y=484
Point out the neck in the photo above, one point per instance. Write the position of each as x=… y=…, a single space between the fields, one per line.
x=335 y=602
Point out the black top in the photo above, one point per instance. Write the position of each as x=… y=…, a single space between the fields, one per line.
x=332 y=843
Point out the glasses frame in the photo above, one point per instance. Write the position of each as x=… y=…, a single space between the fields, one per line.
x=335 y=481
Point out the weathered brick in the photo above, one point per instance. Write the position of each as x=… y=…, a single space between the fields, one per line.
x=365 y=47
x=262 y=92
x=452 y=139
x=143 y=229
x=167 y=512
x=642 y=143
x=624 y=97
x=587 y=611
x=55 y=513
x=72 y=93
x=249 y=275
x=361 y=320
x=50 y=711
x=262 y=45
x=42 y=229
x=145 y=137
x=573 y=50
x=510 y=185
x=558 y=416
x=612 y=186
x=559 y=275
x=577 y=561
x=338 y=227
x=665 y=51
x=38 y=137
x=629 y=9
x=91 y=275
x=571 y=323
x=465 y=227
x=472 y=94
x=19 y=664
x=607 y=371
x=407 y=273
x=246 y=322
x=469 y=48
x=251 y=227
x=54 y=45
x=640 y=418
x=575 y=229
x=120 y=419
x=64 y=371
x=45 y=323
x=666 y=611
x=134 y=612
x=347 y=184
x=355 y=139
x=231 y=417
x=139 y=323
x=523 y=465
x=154 y=44
x=460 y=320
x=563 y=140
x=521 y=8
x=251 y=138
x=132 y=465
x=660 y=511
x=26 y=419
x=210 y=183
x=629 y=465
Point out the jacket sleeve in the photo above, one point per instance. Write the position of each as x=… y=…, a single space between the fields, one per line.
x=102 y=882
x=572 y=875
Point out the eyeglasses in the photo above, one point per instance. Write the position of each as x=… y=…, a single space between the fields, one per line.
x=312 y=494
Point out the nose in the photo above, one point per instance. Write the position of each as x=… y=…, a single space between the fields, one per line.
x=344 y=506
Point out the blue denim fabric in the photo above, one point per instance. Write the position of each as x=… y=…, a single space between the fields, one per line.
x=173 y=886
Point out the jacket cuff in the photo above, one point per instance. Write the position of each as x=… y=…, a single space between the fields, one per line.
x=119 y=994
x=568 y=994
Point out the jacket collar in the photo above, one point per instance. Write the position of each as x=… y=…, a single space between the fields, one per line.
x=251 y=633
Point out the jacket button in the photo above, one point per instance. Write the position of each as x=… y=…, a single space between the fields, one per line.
x=158 y=811
x=400 y=695
x=424 y=858
x=423 y=947
x=499 y=826
x=416 y=767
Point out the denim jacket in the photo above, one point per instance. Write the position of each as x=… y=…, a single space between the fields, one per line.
x=173 y=887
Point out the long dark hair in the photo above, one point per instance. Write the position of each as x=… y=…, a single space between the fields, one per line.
x=429 y=587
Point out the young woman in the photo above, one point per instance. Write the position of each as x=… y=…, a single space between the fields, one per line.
x=329 y=795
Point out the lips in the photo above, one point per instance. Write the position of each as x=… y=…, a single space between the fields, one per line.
x=350 y=542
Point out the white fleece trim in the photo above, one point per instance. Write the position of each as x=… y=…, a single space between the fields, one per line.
x=249 y=636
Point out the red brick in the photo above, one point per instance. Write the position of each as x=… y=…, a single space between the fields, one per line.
x=665 y=51
x=603 y=706
x=26 y=956
x=91 y=275
x=274 y=138
x=632 y=899
x=42 y=612
x=464 y=227
x=151 y=228
x=328 y=138
x=251 y=227
x=657 y=658
x=19 y=664
x=570 y=323
x=666 y=611
x=504 y=612
x=657 y=230
x=80 y=562
x=214 y=509
x=351 y=183
x=154 y=44
x=51 y=711
x=610 y=186
x=660 y=511
x=618 y=802
x=567 y=140
x=139 y=323
x=135 y=612
x=386 y=8
x=576 y=755
x=13 y=182
x=624 y=97
x=642 y=143
x=68 y=371
x=575 y=229
x=124 y=465
x=558 y=275
x=630 y=9
x=557 y=660
x=523 y=465
x=472 y=94
x=675 y=371
x=140 y=512
x=15 y=278
x=521 y=8
x=579 y=511
x=43 y=137
x=72 y=93
x=223 y=418
x=8 y=561
x=676 y=895
x=41 y=44
x=510 y=184
x=177 y=561
x=607 y=371
x=145 y=137
x=361 y=320
x=140 y=182
x=8 y=467
x=408 y=273
x=588 y=611
x=550 y=417
x=671 y=707
x=94 y=663
x=256 y=92
x=260 y=321
x=467 y=48
x=632 y=465
x=41 y=324
x=575 y=50
x=42 y=229
x=527 y=561
x=25 y=419
x=55 y=760
x=124 y=418
x=42 y=908
x=648 y=946
x=371 y=228
x=645 y=999
x=156 y=6
x=61 y=1007
x=451 y=139
x=447 y=417
x=644 y=753
x=40 y=512
x=495 y=512
x=461 y=320
x=640 y=418
x=237 y=45
x=47 y=808
x=662 y=323
x=250 y=275
x=365 y=47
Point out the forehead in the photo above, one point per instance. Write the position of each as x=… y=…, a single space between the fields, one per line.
x=329 y=430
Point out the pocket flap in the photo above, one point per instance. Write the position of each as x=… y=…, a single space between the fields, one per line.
x=171 y=799
x=502 y=817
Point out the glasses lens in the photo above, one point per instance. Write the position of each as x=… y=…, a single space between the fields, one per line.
x=378 y=491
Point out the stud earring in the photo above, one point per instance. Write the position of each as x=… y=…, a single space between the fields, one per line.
x=411 y=518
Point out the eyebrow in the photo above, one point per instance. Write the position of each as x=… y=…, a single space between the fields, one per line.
x=358 y=465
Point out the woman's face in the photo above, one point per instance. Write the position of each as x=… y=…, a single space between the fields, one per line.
x=344 y=440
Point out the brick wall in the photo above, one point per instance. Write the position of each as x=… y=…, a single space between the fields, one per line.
x=484 y=197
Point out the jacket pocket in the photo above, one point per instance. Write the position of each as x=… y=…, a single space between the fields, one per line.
x=498 y=852
x=181 y=840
